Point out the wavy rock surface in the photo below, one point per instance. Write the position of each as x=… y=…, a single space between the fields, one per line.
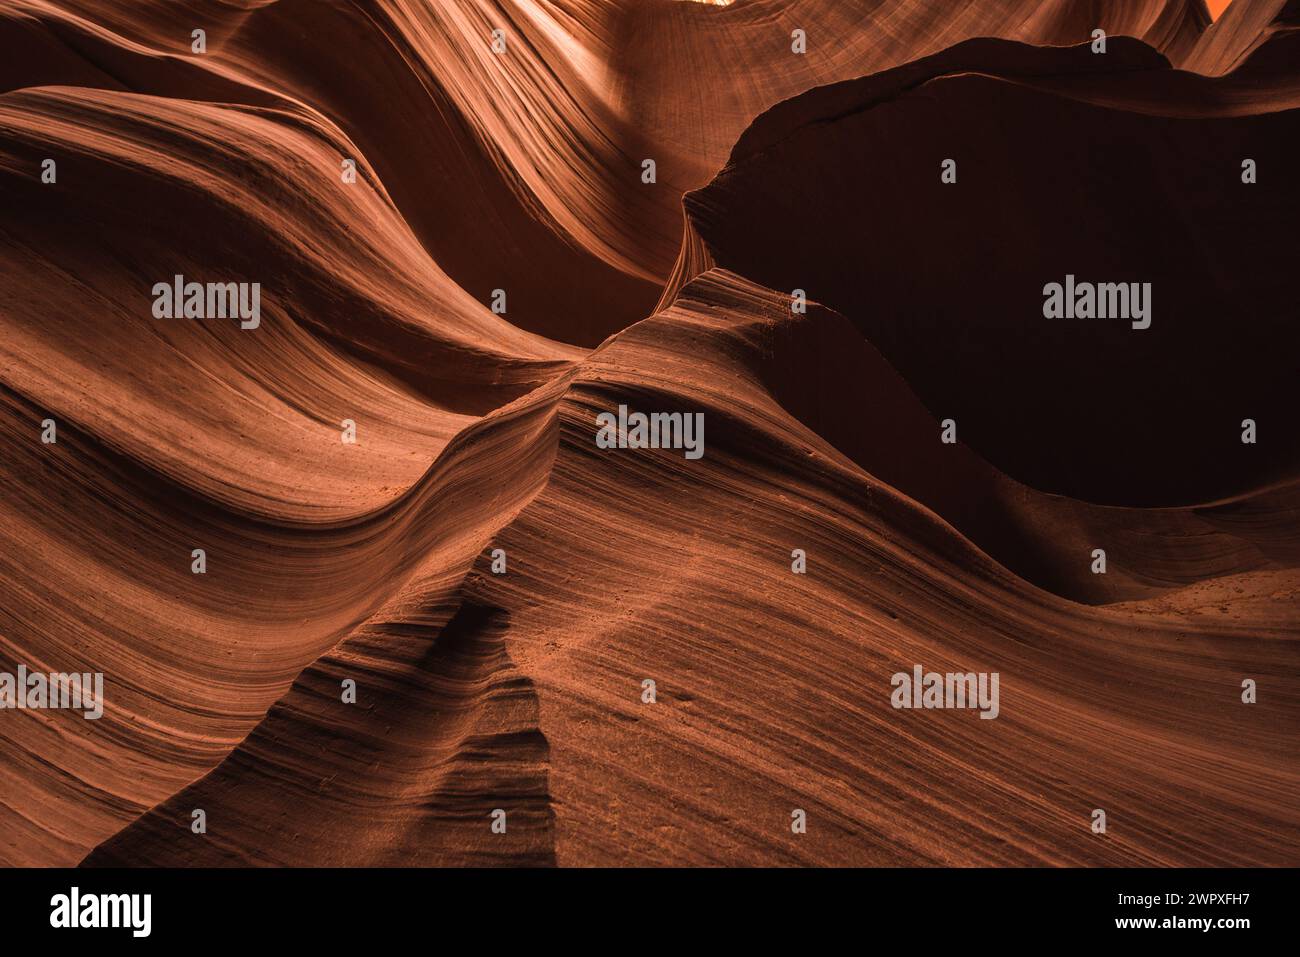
x=768 y=683
x=373 y=562
x=523 y=170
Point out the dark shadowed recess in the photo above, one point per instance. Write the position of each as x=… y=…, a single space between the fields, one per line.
x=1130 y=177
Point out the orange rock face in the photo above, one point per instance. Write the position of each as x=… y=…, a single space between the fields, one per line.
x=312 y=316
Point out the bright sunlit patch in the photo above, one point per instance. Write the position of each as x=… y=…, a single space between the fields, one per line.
x=1217 y=7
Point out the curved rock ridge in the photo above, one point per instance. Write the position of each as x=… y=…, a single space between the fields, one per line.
x=192 y=663
x=179 y=434
x=442 y=723
x=368 y=585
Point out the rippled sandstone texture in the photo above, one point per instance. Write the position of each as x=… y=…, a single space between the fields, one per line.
x=522 y=171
